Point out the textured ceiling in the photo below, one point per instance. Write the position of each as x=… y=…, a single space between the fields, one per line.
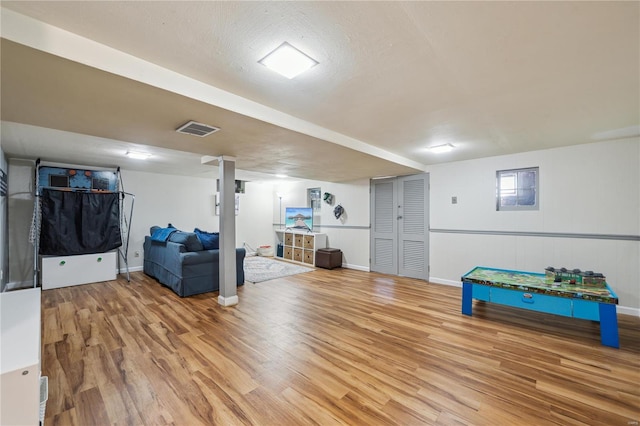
x=491 y=78
x=80 y=99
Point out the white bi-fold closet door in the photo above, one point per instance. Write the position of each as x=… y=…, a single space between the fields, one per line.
x=400 y=226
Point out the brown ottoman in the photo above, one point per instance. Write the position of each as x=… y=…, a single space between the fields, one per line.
x=329 y=258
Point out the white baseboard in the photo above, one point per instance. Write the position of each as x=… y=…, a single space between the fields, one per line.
x=228 y=301
x=131 y=269
x=18 y=284
x=435 y=280
x=356 y=267
x=625 y=310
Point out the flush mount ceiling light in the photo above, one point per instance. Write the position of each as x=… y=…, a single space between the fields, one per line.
x=288 y=61
x=441 y=149
x=138 y=155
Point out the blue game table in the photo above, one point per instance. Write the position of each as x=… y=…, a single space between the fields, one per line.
x=533 y=291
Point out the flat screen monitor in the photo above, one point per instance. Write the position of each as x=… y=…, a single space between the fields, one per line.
x=299 y=218
x=100 y=184
x=59 y=181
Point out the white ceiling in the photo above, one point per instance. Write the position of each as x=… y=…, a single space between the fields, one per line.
x=491 y=78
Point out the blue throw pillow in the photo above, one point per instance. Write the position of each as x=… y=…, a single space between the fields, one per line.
x=162 y=234
x=156 y=227
x=209 y=240
x=189 y=239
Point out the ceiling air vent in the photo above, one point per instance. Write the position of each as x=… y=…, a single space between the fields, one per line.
x=196 y=129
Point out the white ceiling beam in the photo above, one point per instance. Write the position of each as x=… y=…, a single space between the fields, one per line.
x=48 y=38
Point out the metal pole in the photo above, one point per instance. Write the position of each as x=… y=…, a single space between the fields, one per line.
x=36 y=223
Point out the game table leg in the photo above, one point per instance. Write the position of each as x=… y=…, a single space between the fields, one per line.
x=467 y=298
x=608 y=325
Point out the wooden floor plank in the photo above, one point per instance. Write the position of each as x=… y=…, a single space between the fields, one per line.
x=324 y=348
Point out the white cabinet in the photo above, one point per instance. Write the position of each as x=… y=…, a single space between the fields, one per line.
x=301 y=246
x=64 y=271
x=20 y=357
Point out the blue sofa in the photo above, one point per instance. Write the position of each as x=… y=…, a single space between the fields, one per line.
x=182 y=264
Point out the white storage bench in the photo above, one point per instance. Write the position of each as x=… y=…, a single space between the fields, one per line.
x=65 y=271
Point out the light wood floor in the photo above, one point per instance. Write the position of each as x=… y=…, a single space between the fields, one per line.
x=326 y=347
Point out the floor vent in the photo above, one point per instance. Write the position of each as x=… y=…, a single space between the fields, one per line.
x=196 y=129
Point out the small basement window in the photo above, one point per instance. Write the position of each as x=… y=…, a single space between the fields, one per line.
x=517 y=189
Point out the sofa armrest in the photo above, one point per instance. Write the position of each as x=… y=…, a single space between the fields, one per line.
x=240 y=254
x=213 y=256
x=165 y=254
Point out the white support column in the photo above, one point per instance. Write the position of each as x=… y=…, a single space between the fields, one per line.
x=228 y=287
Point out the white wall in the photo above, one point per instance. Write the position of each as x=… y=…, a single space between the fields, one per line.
x=351 y=232
x=584 y=189
x=588 y=189
x=254 y=223
x=187 y=203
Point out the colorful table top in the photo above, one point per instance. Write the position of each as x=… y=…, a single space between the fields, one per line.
x=537 y=283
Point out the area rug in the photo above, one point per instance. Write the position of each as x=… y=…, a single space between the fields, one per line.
x=258 y=269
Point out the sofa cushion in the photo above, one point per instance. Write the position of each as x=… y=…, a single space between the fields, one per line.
x=189 y=239
x=209 y=240
x=204 y=256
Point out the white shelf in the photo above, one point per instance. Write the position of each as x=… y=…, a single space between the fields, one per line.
x=301 y=246
x=20 y=316
x=20 y=357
